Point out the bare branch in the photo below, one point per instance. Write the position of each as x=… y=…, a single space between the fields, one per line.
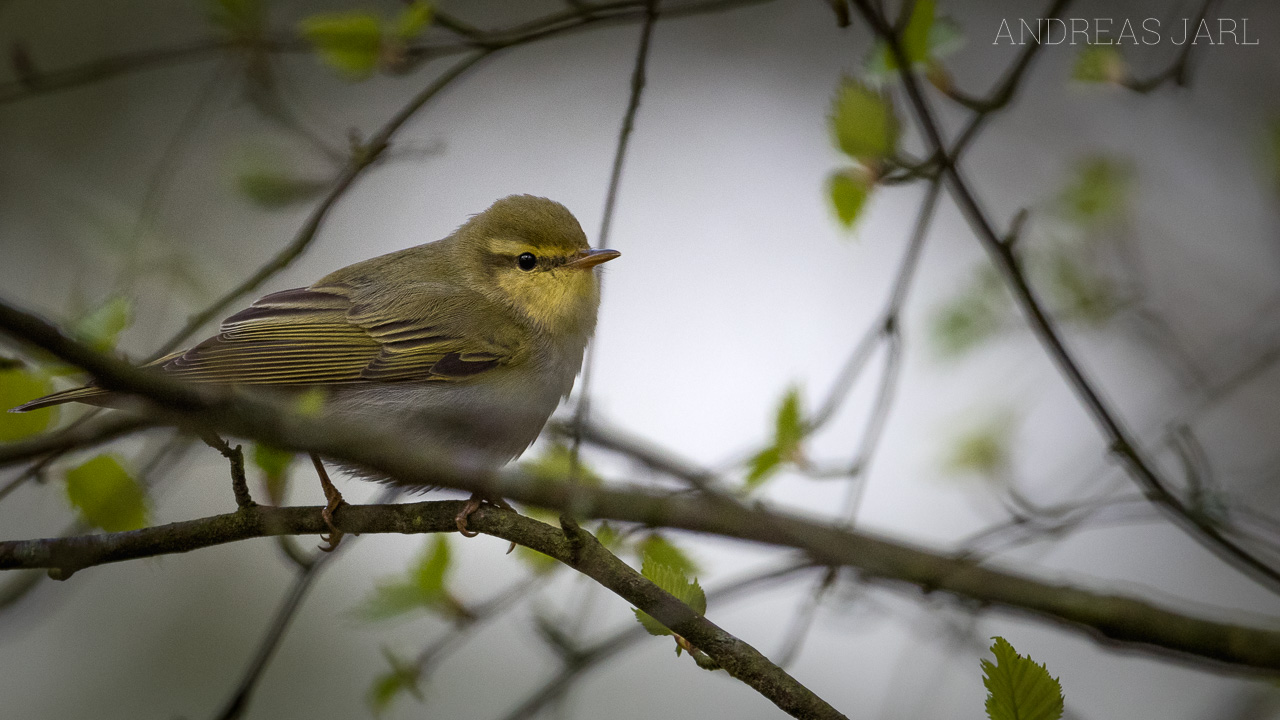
x=239 y=702
x=235 y=456
x=308 y=570
x=76 y=437
x=584 y=659
x=1123 y=620
x=356 y=165
x=1179 y=71
x=1123 y=444
x=1003 y=93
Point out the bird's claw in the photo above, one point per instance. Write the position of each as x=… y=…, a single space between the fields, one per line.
x=334 y=536
x=473 y=504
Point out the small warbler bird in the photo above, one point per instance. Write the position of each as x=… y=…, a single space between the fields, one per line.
x=470 y=341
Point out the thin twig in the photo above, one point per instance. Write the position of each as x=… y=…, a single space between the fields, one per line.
x=1125 y=621
x=359 y=161
x=466 y=624
x=158 y=58
x=1122 y=443
x=802 y=622
x=107 y=68
x=1179 y=70
x=888 y=321
x=600 y=434
x=583 y=407
x=1007 y=87
x=638 y=80
x=150 y=471
x=582 y=660
x=308 y=571
x=235 y=456
x=77 y=437
x=239 y=702
x=383 y=450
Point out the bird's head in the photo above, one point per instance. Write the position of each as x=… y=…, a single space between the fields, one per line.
x=530 y=254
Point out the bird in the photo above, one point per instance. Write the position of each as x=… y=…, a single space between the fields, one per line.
x=469 y=342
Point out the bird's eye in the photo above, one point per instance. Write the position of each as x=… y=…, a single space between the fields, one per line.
x=527 y=261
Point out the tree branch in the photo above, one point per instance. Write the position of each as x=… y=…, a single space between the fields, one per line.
x=1123 y=444
x=1125 y=621
x=76 y=437
x=1179 y=70
x=359 y=161
x=1122 y=620
x=581 y=660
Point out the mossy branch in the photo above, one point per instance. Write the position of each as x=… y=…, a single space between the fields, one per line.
x=1124 y=621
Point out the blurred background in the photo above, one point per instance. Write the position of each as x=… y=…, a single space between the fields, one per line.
x=1152 y=228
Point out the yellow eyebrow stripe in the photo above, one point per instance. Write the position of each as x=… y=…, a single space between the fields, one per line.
x=508 y=246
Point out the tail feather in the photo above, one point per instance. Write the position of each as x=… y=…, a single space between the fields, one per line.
x=81 y=394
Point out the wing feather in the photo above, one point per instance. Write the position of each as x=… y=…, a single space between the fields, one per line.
x=339 y=334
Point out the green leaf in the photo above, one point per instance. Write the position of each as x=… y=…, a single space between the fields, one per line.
x=350 y=42
x=1079 y=294
x=433 y=568
x=973 y=317
x=963 y=325
x=1018 y=688
x=273 y=189
x=789 y=428
x=269 y=460
x=538 y=562
x=662 y=551
x=1100 y=64
x=102 y=327
x=653 y=626
x=608 y=536
x=394 y=598
x=106 y=495
x=848 y=190
x=423 y=589
x=915 y=36
x=762 y=466
x=863 y=124
x=1100 y=189
x=556 y=465
x=17 y=386
x=675 y=582
x=311 y=402
x=413 y=20
x=943 y=38
x=982 y=449
x=403 y=676
x=274 y=465
x=788 y=433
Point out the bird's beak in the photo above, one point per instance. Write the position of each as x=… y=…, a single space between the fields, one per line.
x=588 y=259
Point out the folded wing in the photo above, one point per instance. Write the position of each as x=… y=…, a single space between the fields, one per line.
x=334 y=334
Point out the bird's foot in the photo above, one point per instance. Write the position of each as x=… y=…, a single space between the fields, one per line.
x=335 y=535
x=473 y=504
x=335 y=501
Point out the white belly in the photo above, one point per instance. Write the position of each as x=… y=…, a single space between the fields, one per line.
x=479 y=425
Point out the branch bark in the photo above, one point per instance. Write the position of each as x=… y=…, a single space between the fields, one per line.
x=1122 y=620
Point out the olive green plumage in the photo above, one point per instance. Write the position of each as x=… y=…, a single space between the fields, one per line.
x=474 y=338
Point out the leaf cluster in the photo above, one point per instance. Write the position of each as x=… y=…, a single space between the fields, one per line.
x=789 y=430
x=1018 y=688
